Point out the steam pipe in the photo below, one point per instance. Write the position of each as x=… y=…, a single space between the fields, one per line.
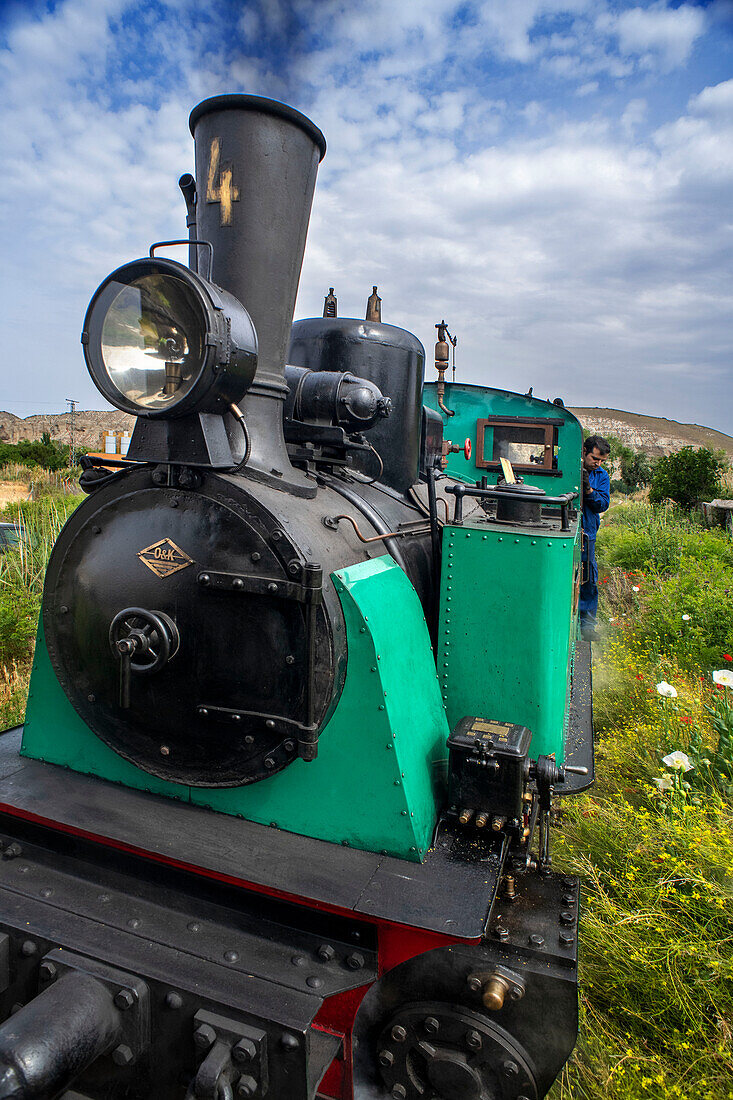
x=187 y=185
x=56 y=1036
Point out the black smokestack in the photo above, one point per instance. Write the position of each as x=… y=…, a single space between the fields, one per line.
x=256 y=166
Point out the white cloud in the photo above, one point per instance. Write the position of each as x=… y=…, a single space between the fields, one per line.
x=669 y=33
x=586 y=260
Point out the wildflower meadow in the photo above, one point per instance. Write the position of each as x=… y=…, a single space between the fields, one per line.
x=653 y=839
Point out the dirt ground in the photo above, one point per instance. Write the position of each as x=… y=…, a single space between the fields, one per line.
x=11 y=491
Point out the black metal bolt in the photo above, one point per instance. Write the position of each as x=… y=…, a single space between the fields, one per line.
x=536 y=941
x=399 y=1034
x=568 y=899
x=473 y=1040
x=290 y=660
x=566 y=939
x=272 y=587
x=247 y=1086
x=244 y=1051
x=269 y=763
x=399 y=1092
x=293 y=568
x=12 y=851
x=256 y=556
x=501 y=932
x=289 y=1042
x=124 y=999
x=204 y=1037
x=173 y=1000
x=204 y=579
x=431 y=1025
x=355 y=960
x=28 y=949
x=566 y=917
x=237 y=583
x=510 y=1069
x=314 y=982
x=569 y=884
x=475 y=984
x=386 y=1058
x=326 y=952
x=231 y=956
x=289 y=746
x=46 y=971
x=122 y=1055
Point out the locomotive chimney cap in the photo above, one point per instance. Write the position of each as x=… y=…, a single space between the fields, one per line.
x=261 y=106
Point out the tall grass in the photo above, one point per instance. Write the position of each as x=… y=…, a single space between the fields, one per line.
x=41 y=483
x=22 y=572
x=657 y=927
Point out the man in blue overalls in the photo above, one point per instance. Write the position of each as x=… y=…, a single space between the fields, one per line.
x=596 y=498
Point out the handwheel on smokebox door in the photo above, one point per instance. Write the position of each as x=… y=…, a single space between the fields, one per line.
x=143 y=642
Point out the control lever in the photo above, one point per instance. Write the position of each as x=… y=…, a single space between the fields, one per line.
x=546 y=773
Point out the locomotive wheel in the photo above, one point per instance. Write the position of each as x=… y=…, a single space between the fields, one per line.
x=434 y=1051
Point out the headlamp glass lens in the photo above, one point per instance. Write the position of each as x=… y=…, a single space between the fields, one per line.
x=152 y=340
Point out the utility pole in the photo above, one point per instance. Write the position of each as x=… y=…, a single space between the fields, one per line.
x=72 y=440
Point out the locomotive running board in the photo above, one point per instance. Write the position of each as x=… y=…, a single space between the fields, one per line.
x=443 y=894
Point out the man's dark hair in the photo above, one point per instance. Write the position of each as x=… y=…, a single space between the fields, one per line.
x=596 y=441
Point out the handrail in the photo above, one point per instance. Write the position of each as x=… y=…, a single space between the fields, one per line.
x=460 y=491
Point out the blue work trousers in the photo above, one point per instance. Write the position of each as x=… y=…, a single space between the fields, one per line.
x=588 y=605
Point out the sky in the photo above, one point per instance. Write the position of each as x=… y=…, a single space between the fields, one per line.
x=552 y=177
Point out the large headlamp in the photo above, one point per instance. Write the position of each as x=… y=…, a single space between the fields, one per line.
x=161 y=342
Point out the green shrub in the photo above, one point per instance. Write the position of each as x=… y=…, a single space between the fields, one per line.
x=645 y=538
x=704 y=591
x=687 y=476
x=18 y=622
x=636 y=469
x=36 y=452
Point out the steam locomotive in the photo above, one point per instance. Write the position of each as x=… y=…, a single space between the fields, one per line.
x=306 y=679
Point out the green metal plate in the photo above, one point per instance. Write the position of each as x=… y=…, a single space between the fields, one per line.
x=507 y=627
x=381 y=758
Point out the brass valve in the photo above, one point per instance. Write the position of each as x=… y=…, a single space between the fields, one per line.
x=494 y=993
x=495 y=986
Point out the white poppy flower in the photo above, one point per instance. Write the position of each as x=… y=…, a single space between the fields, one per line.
x=680 y=761
x=724 y=677
x=667 y=690
x=686 y=618
x=635 y=588
x=663 y=784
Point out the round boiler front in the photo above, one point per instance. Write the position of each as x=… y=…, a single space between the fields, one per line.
x=193 y=631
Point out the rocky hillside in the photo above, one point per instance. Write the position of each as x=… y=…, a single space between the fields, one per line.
x=89 y=427
x=644 y=433
x=652 y=434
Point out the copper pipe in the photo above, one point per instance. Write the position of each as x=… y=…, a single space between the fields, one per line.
x=334 y=520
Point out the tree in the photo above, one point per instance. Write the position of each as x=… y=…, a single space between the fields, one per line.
x=636 y=470
x=687 y=476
